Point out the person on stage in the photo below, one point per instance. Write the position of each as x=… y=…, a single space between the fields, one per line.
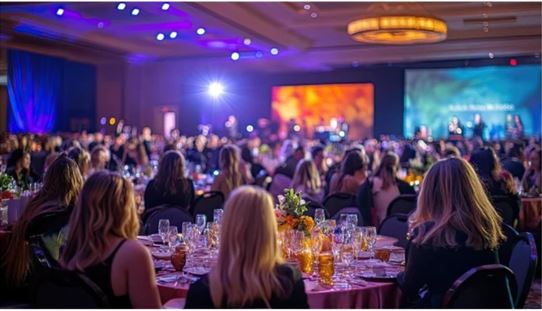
x=479 y=125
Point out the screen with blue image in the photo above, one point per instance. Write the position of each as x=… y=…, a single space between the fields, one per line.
x=500 y=95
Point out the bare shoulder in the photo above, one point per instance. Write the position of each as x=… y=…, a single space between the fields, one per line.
x=133 y=250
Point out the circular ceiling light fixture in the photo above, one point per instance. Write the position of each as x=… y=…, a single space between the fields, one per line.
x=398 y=30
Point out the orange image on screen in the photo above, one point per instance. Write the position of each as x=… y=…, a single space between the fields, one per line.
x=312 y=105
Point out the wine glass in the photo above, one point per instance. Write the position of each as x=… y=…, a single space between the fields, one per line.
x=298 y=239
x=319 y=216
x=217 y=215
x=201 y=219
x=163 y=228
x=173 y=235
x=352 y=220
x=343 y=220
x=369 y=234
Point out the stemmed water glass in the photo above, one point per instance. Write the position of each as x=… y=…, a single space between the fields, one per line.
x=343 y=220
x=298 y=239
x=163 y=229
x=352 y=220
x=173 y=235
x=319 y=216
x=217 y=215
x=201 y=220
x=369 y=235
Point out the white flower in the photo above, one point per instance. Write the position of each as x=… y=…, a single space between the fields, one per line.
x=302 y=202
x=281 y=199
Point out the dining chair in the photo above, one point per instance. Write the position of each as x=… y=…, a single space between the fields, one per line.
x=403 y=204
x=336 y=201
x=523 y=264
x=207 y=203
x=395 y=226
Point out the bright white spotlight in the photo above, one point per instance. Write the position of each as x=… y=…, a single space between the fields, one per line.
x=200 y=31
x=247 y=41
x=173 y=35
x=121 y=6
x=60 y=11
x=234 y=56
x=215 y=89
x=250 y=128
x=135 y=12
x=160 y=37
x=165 y=6
x=274 y=51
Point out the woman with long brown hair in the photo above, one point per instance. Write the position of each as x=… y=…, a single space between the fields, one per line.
x=170 y=186
x=454 y=228
x=232 y=173
x=352 y=174
x=250 y=272
x=44 y=216
x=307 y=181
x=377 y=192
x=102 y=243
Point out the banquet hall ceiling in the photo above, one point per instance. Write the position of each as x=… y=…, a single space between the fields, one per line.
x=308 y=36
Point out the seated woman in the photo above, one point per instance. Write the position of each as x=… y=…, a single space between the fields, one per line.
x=455 y=228
x=169 y=186
x=18 y=167
x=102 y=243
x=352 y=174
x=376 y=193
x=250 y=274
x=532 y=179
x=307 y=181
x=488 y=167
x=43 y=218
x=232 y=173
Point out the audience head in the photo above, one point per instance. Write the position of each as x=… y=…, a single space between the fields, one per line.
x=534 y=159
x=82 y=158
x=387 y=171
x=317 y=153
x=99 y=157
x=252 y=241
x=299 y=153
x=19 y=159
x=451 y=151
x=486 y=163
x=306 y=177
x=453 y=199
x=170 y=172
x=106 y=208
x=352 y=163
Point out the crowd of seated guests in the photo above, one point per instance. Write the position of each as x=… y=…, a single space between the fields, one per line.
x=98 y=232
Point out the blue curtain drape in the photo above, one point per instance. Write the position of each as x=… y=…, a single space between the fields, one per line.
x=34 y=84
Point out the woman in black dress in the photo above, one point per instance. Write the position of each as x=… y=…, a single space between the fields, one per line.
x=169 y=186
x=250 y=272
x=455 y=228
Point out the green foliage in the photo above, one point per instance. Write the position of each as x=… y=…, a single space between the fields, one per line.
x=5 y=182
x=292 y=203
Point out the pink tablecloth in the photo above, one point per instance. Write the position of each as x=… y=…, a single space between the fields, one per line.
x=373 y=296
x=530 y=214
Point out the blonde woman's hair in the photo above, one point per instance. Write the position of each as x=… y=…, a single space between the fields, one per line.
x=387 y=170
x=229 y=165
x=61 y=186
x=307 y=177
x=105 y=207
x=249 y=252
x=453 y=198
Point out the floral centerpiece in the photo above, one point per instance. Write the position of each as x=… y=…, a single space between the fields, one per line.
x=6 y=183
x=290 y=210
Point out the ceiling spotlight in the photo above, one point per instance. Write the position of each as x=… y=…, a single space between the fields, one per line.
x=165 y=6
x=234 y=56
x=101 y=25
x=491 y=55
x=215 y=89
x=314 y=15
x=247 y=41
x=274 y=51
x=250 y=128
x=259 y=54
x=173 y=35
x=121 y=6
x=160 y=37
x=60 y=11
x=200 y=31
x=307 y=6
x=135 y=11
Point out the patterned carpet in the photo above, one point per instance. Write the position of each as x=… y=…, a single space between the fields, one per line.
x=534 y=300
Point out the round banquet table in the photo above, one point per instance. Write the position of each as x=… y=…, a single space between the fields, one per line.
x=530 y=214
x=371 y=295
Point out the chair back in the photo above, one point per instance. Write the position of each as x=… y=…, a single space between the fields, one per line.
x=487 y=287
x=508 y=208
x=349 y=210
x=312 y=206
x=507 y=246
x=335 y=202
x=278 y=184
x=403 y=204
x=176 y=215
x=207 y=203
x=60 y=289
x=523 y=263
x=395 y=226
